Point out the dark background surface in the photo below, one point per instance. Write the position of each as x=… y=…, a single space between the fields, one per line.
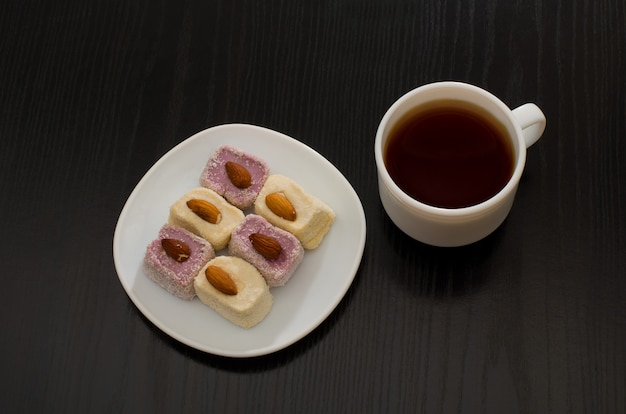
x=531 y=319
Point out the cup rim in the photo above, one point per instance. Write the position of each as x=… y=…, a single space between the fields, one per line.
x=474 y=209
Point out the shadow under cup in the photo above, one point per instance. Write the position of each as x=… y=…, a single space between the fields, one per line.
x=449 y=227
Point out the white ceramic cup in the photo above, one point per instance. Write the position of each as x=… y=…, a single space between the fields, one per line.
x=449 y=227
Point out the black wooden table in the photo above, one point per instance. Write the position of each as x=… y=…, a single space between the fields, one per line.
x=531 y=319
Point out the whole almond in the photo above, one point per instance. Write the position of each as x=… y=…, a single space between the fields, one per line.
x=205 y=210
x=238 y=175
x=281 y=206
x=220 y=280
x=176 y=249
x=267 y=246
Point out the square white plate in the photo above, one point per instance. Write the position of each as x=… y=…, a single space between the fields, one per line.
x=317 y=287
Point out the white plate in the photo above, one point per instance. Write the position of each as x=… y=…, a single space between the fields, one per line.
x=317 y=287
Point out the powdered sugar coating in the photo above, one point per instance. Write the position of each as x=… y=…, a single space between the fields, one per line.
x=177 y=277
x=276 y=272
x=215 y=178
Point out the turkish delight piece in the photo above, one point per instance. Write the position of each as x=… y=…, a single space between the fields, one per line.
x=285 y=204
x=276 y=253
x=235 y=175
x=174 y=258
x=206 y=214
x=234 y=289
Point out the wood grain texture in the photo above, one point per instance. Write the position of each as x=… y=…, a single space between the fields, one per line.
x=531 y=319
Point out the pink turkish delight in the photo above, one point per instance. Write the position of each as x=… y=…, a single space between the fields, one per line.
x=174 y=258
x=277 y=270
x=239 y=192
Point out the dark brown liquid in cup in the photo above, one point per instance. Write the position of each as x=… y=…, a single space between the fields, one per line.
x=449 y=154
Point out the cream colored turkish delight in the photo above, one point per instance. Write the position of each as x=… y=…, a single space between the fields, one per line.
x=192 y=213
x=248 y=304
x=302 y=214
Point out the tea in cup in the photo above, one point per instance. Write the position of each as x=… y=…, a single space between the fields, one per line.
x=449 y=158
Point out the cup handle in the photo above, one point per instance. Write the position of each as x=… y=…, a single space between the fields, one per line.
x=532 y=121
